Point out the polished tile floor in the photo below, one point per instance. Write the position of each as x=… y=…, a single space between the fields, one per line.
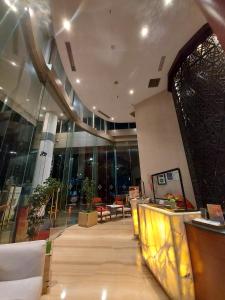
x=100 y=263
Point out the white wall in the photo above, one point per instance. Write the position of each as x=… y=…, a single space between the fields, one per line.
x=159 y=140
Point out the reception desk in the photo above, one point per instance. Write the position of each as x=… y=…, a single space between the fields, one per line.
x=134 y=210
x=207 y=250
x=165 y=250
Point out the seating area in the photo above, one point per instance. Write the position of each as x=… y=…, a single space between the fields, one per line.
x=106 y=212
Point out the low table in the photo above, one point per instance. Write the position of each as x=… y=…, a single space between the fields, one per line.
x=114 y=209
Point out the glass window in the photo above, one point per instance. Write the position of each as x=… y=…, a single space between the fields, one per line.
x=121 y=125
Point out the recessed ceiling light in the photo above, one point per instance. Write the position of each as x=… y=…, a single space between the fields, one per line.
x=1 y=88
x=41 y=115
x=112 y=119
x=25 y=8
x=66 y=24
x=168 y=2
x=144 y=31
x=44 y=108
x=13 y=63
x=77 y=80
x=28 y=100
x=11 y=5
x=94 y=107
x=131 y=92
x=6 y=100
x=61 y=114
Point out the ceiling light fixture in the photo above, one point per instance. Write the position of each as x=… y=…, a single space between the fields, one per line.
x=112 y=119
x=144 y=31
x=6 y=100
x=25 y=8
x=66 y=25
x=28 y=100
x=41 y=115
x=44 y=108
x=131 y=92
x=1 y=88
x=77 y=80
x=13 y=63
x=94 y=107
x=61 y=115
x=11 y=5
x=168 y=2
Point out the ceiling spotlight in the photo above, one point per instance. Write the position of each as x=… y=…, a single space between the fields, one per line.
x=25 y=8
x=41 y=115
x=77 y=80
x=131 y=92
x=94 y=107
x=61 y=115
x=11 y=5
x=13 y=63
x=6 y=100
x=112 y=119
x=144 y=31
x=66 y=25
x=168 y=2
x=28 y=100
x=44 y=108
x=1 y=88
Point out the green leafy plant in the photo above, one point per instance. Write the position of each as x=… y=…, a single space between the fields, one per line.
x=88 y=189
x=38 y=199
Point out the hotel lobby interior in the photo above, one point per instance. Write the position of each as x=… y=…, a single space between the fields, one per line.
x=112 y=143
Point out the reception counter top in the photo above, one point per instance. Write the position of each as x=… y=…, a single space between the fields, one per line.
x=165 y=250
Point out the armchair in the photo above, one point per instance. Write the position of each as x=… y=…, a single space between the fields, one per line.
x=21 y=270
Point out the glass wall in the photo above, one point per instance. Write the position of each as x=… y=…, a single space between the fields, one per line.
x=38 y=141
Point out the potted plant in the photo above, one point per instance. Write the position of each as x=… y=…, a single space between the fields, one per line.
x=47 y=274
x=89 y=217
x=37 y=204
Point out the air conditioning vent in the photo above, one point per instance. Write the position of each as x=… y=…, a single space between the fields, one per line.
x=154 y=82
x=105 y=115
x=161 y=63
x=70 y=56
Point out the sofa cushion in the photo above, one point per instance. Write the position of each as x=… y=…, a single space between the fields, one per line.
x=24 y=289
x=21 y=260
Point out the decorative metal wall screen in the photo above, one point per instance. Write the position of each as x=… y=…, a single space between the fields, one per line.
x=199 y=95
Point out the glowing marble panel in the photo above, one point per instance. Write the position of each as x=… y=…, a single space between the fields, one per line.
x=165 y=249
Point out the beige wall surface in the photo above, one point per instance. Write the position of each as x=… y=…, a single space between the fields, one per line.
x=159 y=140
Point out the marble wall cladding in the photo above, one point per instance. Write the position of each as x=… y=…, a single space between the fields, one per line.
x=165 y=250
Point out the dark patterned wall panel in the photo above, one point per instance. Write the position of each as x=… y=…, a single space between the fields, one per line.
x=199 y=96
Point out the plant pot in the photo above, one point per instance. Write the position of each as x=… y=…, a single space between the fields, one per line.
x=87 y=219
x=46 y=274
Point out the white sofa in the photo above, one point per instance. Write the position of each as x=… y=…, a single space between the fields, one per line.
x=21 y=270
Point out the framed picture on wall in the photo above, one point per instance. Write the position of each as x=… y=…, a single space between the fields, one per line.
x=161 y=179
x=169 y=176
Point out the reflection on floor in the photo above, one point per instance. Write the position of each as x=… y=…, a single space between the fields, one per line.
x=101 y=263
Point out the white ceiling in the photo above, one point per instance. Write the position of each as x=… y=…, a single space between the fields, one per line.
x=134 y=60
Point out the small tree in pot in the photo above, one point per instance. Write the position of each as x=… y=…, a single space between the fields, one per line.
x=37 y=203
x=89 y=217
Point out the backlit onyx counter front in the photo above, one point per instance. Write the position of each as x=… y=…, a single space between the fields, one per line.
x=165 y=250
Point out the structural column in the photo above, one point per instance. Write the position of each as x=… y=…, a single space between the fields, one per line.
x=45 y=152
